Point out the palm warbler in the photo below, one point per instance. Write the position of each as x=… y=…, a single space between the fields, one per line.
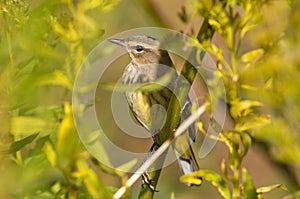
x=149 y=63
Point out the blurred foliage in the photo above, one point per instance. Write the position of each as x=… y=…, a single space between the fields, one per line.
x=279 y=69
x=43 y=43
x=268 y=66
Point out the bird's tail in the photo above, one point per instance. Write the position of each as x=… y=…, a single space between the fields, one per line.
x=188 y=164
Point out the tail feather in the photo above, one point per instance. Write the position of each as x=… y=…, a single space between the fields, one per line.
x=187 y=163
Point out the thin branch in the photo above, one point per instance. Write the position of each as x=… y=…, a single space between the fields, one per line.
x=180 y=130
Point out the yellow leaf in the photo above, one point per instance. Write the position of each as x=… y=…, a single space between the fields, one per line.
x=252 y=56
x=201 y=127
x=250 y=122
x=67 y=137
x=243 y=108
x=28 y=125
x=270 y=188
x=214 y=178
x=50 y=153
x=91 y=181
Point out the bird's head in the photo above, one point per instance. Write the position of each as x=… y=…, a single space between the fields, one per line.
x=141 y=49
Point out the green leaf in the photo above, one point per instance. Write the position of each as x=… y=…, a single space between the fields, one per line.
x=16 y=146
x=252 y=56
x=249 y=188
x=38 y=147
x=210 y=176
x=85 y=195
x=23 y=72
x=29 y=125
x=246 y=140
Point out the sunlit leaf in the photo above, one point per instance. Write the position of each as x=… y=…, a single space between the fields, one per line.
x=57 y=27
x=191 y=178
x=266 y=189
x=28 y=125
x=93 y=184
x=246 y=28
x=108 y=5
x=240 y=108
x=172 y=195
x=67 y=137
x=201 y=127
x=224 y=170
x=58 y=78
x=215 y=24
x=50 y=153
x=246 y=140
x=210 y=176
x=224 y=138
x=266 y=86
x=248 y=186
x=252 y=56
x=251 y=122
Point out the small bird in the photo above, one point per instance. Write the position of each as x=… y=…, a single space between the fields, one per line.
x=149 y=63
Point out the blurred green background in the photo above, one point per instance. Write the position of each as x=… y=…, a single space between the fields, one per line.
x=42 y=45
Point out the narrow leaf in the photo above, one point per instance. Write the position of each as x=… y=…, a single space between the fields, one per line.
x=50 y=153
x=249 y=188
x=67 y=137
x=265 y=189
x=16 y=146
x=58 y=78
x=92 y=182
x=28 y=125
x=210 y=176
x=243 y=107
x=250 y=122
x=172 y=195
x=252 y=56
x=246 y=140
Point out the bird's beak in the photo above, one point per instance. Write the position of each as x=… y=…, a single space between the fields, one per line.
x=120 y=42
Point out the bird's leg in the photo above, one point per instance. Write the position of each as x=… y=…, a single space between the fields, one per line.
x=146 y=179
x=155 y=138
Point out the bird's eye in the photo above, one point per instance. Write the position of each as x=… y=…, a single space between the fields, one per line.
x=139 y=48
